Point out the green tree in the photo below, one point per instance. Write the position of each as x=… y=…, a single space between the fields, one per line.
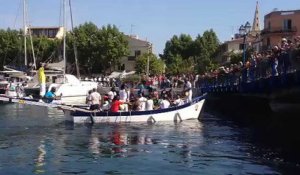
x=10 y=46
x=86 y=36
x=205 y=49
x=114 y=45
x=181 y=46
x=97 y=48
x=156 y=66
x=45 y=48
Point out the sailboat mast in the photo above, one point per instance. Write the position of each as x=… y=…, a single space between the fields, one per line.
x=24 y=28
x=64 y=35
x=74 y=42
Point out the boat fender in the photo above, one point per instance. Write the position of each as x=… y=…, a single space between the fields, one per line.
x=177 y=117
x=151 y=120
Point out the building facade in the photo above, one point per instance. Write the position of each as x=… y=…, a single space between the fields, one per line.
x=278 y=25
x=49 y=32
x=136 y=47
x=236 y=44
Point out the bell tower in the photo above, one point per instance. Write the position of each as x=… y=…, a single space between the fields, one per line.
x=256 y=25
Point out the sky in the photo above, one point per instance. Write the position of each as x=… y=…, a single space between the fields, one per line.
x=153 y=20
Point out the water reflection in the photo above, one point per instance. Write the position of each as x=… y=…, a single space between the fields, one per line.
x=40 y=160
x=127 y=140
x=45 y=145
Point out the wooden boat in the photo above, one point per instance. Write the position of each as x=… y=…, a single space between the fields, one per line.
x=80 y=113
x=184 y=112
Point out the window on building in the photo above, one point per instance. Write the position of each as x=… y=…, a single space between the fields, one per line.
x=131 y=58
x=241 y=47
x=52 y=33
x=268 y=42
x=269 y=25
x=287 y=24
x=137 y=53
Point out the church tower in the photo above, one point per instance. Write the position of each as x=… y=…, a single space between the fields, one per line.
x=256 y=25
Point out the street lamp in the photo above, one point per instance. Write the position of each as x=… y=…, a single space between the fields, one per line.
x=148 y=59
x=244 y=31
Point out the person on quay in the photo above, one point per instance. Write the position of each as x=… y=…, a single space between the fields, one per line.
x=96 y=100
x=42 y=79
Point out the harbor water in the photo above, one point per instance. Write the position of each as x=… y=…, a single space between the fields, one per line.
x=35 y=140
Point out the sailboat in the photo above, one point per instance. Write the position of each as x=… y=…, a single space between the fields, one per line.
x=12 y=76
x=69 y=87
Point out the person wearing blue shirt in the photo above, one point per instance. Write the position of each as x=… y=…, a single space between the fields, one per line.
x=50 y=95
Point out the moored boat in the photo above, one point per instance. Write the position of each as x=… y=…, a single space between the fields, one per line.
x=184 y=112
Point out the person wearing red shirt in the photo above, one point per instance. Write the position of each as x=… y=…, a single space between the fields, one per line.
x=115 y=105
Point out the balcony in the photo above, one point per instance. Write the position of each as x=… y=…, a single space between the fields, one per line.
x=278 y=30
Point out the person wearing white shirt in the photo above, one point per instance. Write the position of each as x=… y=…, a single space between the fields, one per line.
x=95 y=100
x=111 y=94
x=164 y=104
x=123 y=94
x=178 y=101
x=142 y=101
x=123 y=97
x=188 y=89
x=149 y=103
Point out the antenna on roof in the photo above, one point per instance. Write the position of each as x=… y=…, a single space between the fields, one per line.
x=131 y=28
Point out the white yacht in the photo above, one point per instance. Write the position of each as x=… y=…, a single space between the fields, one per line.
x=71 y=89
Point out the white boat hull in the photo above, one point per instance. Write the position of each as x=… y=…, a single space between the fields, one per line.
x=176 y=114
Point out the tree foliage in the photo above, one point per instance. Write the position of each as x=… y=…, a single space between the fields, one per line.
x=156 y=66
x=10 y=44
x=183 y=54
x=97 y=48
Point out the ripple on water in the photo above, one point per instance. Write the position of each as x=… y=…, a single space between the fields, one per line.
x=39 y=142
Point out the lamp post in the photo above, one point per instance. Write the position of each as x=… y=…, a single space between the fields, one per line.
x=244 y=31
x=148 y=59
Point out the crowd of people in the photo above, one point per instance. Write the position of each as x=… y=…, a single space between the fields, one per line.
x=279 y=60
x=130 y=99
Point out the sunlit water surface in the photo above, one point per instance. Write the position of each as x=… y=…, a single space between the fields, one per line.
x=35 y=140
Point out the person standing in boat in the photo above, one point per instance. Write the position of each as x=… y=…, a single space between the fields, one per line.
x=150 y=103
x=187 y=89
x=96 y=100
x=142 y=101
x=111 y=94
x=124 y=97
x=42 y=79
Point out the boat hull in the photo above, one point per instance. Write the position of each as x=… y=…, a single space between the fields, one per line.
x=176 y=114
